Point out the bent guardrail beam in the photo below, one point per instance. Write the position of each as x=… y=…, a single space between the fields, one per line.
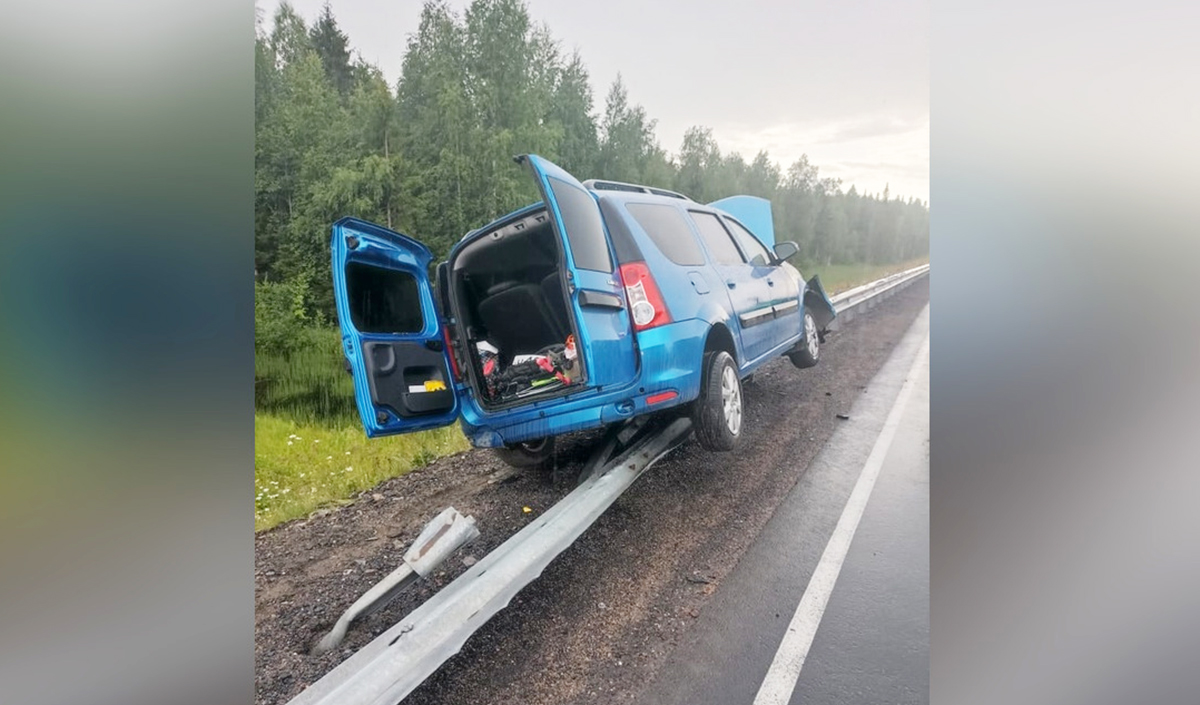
x=448 y=531
x=387 y=669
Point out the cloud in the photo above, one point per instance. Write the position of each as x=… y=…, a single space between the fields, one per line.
x=867 y=151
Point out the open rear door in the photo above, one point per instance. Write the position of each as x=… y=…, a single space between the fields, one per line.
x=391 y=333
x=594 y=289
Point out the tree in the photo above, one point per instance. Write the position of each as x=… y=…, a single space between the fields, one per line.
x=380 y=168
x=436 y=126
x=798 y=204
x=289 y=39
x=511 y=67
x=627 y=146
x=762 y=177
x=571 y=112
x=699 y=161
x=332 y=46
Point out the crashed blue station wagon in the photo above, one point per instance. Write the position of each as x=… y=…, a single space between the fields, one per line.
x=602 y=302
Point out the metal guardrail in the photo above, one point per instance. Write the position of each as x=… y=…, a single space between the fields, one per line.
x=852 y=302
x=391 y=666
x=387 y=669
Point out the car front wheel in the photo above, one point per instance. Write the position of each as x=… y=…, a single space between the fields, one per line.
x=717 y=413
x=808 y=350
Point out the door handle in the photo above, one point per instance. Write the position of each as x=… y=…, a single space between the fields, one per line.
x=600 y=299
x=770 y=283
x=732 y=285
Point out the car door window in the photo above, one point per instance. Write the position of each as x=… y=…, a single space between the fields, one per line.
x=669 y=230
x=716 y=239
x=755 y=251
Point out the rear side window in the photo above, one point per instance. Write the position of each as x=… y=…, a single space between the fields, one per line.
x=383 y=300
x=716 y=239
x=752 y=246
x=585 y=230
x=670 y=231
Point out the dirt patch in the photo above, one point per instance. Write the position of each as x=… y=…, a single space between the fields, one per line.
x=597 y=625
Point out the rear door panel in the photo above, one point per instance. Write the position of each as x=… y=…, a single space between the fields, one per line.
x=391 y=334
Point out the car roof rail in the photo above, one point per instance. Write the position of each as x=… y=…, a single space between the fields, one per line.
x=605 y=185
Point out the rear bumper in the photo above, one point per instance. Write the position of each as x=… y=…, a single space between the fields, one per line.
x=670 y=358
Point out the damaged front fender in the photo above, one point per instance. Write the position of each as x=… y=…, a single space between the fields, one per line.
x=817 y=303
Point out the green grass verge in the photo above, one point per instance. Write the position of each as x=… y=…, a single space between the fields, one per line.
x=308 y=384
x=300 y=467
x=840 y=277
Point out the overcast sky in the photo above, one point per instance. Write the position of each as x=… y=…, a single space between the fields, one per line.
x=845 y=82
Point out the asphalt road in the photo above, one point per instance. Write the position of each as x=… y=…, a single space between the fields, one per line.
x=866 y=633
x=637 y=598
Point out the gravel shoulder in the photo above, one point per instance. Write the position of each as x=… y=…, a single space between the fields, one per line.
x=600 y=622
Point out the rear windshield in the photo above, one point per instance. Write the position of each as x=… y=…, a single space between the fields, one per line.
x=585 y=229
x=383 y=300
x=670 y=231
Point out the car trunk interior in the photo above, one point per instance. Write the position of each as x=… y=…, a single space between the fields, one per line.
x=512 y=312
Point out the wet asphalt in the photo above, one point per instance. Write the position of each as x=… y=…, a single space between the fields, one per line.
x=872 y=642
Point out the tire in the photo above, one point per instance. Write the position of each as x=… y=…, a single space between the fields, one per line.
x=718 y=412
x=537 y=454
x=808 y=351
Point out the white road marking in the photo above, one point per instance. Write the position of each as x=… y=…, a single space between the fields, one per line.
x=780 y=681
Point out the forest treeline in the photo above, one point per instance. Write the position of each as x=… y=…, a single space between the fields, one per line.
x=432 y=155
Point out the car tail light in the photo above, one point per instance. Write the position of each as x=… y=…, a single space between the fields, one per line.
x=450 y=353
x=646 y=304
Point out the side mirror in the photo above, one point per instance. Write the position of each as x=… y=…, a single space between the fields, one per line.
x=785 y=249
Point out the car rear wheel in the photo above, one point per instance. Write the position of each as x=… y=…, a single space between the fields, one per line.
x=530 y=455
x=808 y=350
x=718 y=412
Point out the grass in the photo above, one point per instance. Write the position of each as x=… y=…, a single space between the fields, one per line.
x=840 y=277
x=301 y=467
x=310 y=384
x=310 y=450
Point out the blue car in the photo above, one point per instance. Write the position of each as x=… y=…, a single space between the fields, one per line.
x=602 y=302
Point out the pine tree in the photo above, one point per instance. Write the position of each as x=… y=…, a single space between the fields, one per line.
x=332 y=45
